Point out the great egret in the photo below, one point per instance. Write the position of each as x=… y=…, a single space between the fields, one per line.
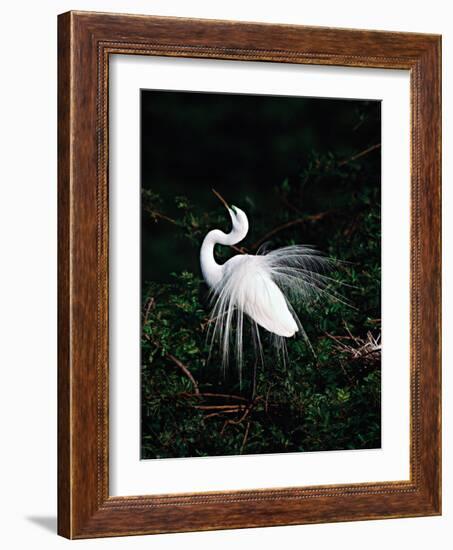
x=260 y=286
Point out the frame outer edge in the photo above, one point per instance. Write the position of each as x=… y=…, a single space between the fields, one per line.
x=428 y=273
x=64 y=341
x=438 y=298
x=434 y=124
x=82 y=512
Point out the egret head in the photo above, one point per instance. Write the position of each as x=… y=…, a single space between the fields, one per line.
x=238 y=218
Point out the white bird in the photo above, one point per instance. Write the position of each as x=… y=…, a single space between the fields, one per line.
x=259 y=286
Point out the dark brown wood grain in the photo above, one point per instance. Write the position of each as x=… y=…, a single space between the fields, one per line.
x=85 y=42
x=64 y=388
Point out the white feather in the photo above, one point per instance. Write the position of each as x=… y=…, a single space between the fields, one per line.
x=254 y=291
x=261 y=287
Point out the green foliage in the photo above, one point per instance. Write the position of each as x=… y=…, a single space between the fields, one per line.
x=326 y=401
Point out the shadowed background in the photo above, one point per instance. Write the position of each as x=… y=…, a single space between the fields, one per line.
x=245 y=147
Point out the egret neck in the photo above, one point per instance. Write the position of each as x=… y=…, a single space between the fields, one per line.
x=212 y=271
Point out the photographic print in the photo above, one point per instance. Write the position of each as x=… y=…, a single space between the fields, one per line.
x=260 y=274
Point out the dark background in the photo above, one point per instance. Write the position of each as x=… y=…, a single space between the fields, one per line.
x=244 y=146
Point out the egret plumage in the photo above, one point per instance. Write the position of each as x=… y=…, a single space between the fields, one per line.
x=260 y=287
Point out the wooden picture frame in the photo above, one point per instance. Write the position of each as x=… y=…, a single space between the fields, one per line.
x=85 y=41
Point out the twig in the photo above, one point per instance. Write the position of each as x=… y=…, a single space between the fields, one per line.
x=287 y=225
x=225 y=424
x=149 y=306
x=185 y=370
x=354 y=338
x=212 y=319
x=207 y=394
x=286 y=202
x=240 y=249
x=221 y=199
x=221 y=407
x=243 y=417
x=361 y=154
x=369 y=352
x=178 y=363
x=247 y=411
x=359 y=348
x=212 y=415
x=155 y=214
x=254 y=378
x=246 y=434
x=266 y=401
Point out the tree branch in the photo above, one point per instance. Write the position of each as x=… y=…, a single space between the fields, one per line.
x=149 y=307
x=154 y=214
x=220 y=407
x=246 y=434
x=287 y=225
x=207 y=394
x=361 y=154
x=185 y=370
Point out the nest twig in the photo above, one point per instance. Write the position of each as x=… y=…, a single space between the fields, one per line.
x=367 y=349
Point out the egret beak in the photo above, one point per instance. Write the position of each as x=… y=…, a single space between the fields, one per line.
x=222 y=200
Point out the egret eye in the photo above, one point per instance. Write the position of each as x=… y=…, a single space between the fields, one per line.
x=234 y=209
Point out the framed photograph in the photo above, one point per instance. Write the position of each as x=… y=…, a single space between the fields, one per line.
x=249 y=275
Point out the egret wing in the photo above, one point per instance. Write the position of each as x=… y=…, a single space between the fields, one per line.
x=264 y=302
